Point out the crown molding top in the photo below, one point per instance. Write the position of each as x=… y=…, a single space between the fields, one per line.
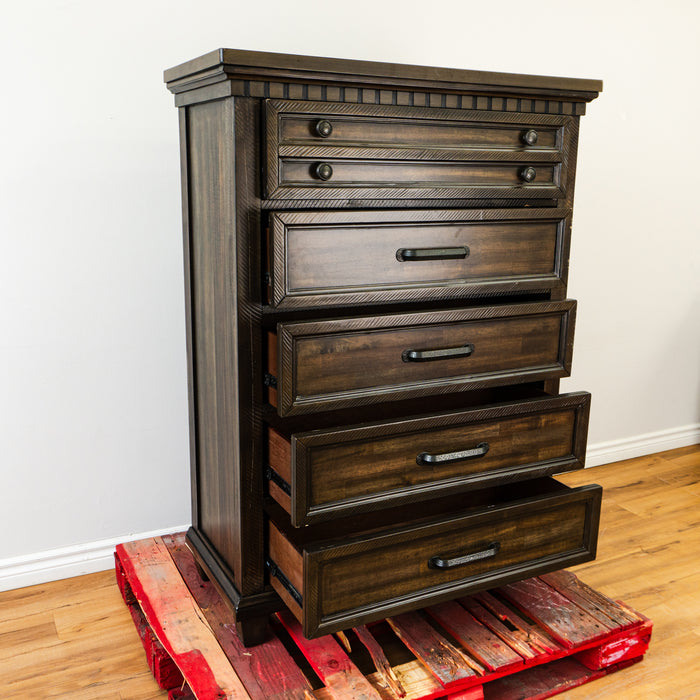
x=234 y=64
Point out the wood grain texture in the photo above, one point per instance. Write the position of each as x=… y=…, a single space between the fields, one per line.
x=294 y=123
x=593 y=602
x=538 y=638
x=249 y=352
x=189 y=335
x=385 y=573
x=548 y=608
x=338 y=472
x=475 y=637
x=267 y=670
x=442 y=659
x=190 y=642
x=385 y=151
x=225 y=273
x=251 y=65
x=380 y=661
x=323 y=365
x=333 y=666
x=350 y=258
x=213 y=324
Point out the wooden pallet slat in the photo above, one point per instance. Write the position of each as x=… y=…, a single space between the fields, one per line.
x=568 y=624
x=163 y=668
x=484 y=616
x=267 y=670
x=542 y=682
x=171 y=614
x=475 y=637
x=442 y=659
x=381 y=663
x=333 y=666
x=593 y=602
x=482 y=646
x=537 y=638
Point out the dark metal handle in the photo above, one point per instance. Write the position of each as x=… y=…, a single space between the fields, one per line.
x=529 y=137
x=528 y=174
x=323 y=171
x=440 y=563
x=479 y=451
x=418 y=254
x=323 y=128
x=441 y=354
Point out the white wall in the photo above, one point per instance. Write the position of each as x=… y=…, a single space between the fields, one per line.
x=93 y=389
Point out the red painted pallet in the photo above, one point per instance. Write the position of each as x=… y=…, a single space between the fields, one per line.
x=531 y=639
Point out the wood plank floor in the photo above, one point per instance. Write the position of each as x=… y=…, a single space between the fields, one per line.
x=75 y=638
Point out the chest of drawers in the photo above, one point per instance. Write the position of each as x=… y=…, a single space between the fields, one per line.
x=375 y=268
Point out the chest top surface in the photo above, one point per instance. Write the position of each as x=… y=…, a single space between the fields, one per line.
x=262 y=74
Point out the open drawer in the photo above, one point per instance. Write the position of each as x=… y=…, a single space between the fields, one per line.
x=338 y=583
x=348 y=362
x=325 y=474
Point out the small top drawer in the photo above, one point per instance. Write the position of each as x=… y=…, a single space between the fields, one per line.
x=320 y=150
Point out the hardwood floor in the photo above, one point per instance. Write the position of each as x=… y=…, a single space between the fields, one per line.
x=75 y=638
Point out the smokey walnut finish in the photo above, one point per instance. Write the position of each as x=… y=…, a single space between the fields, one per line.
x=385 y=573
x=330 y=364
x=351 y=469
x=376 y=262
x=382 y=255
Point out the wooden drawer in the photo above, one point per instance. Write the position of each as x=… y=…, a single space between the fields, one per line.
x=322 y=365
x=357 y=257
x=332 y=585
x=324 y=474
x=321 y=150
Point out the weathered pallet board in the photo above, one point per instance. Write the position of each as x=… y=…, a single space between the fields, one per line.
x=173 y=616
x=163 y=668
x=476 y=638
x=442 y=659
x=267 y=671
x=531 y=639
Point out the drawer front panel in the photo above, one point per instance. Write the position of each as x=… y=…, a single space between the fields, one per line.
x=384 y=574
x=337 y=473
x=395 y=131
x=387 y=151
x=346 y=362
x=354 y=257
x=402 y=174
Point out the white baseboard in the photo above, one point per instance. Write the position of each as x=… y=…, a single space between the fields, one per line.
x=65 y=562
x=640 y=445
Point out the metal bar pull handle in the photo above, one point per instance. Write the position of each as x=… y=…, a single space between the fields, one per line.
x=440 y=563
x=479 y=451
x=418 y=254
x=441 y=354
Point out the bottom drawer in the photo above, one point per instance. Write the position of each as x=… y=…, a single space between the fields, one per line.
x=335 y=584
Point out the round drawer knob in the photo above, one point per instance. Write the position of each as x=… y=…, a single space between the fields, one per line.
x=323 y=171
x=528 y=174
x=529 y=137
x=323 y=128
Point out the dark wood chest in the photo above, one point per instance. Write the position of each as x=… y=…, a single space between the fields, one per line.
x=376 y=267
